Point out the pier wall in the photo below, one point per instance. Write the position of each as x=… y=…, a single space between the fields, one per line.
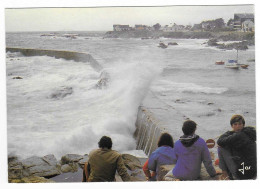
x=67 y=55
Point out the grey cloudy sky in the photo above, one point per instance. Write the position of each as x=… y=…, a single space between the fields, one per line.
x=102 y=19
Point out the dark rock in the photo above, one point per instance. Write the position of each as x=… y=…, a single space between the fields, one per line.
x=61 y=93
x=172 y=43
x=210 y=103
x=17 y=77
x=162 y=45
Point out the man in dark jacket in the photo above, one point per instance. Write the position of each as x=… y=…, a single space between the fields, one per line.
x=237 y=151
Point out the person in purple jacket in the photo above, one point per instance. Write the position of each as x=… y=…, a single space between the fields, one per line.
x=163 y=155
x=190 y=151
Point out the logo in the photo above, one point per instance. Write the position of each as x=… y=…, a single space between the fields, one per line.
x=244 y=168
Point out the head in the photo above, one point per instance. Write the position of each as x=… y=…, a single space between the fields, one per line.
x=237 y=122
x=189 y=127
x=165 y=140
x=105 y=142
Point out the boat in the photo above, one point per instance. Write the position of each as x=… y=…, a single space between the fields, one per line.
x=244 y=66
x=232 y=66
x=219 y=62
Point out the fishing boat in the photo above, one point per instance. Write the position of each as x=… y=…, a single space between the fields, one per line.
x=220 y=62
x=244 y=66
x=232 y=65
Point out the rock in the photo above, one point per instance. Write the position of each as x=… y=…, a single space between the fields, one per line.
x=134 y=166
x=17 y=77
x=172 y=43
x=69 y=158
x=61 y=93
x=210 y=103
x=162 y=45
x=83 y=161
x=43 y=167
x=66 y=168
x=32 y=179
x=164 y=169
x=131 y=162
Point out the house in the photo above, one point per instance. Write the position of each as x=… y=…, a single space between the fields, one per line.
x=173 y=28
x=248 y=26
x=118 y=27
x=142 y=27
x=212 y=24
x=240 y=18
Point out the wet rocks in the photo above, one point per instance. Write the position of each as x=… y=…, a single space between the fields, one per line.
x=61 y=93
x=172 y=43
x=17 y=77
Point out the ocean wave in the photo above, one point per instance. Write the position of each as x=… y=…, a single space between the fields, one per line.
x=169 y=87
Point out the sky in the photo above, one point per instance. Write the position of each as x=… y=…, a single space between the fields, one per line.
x=103 y=18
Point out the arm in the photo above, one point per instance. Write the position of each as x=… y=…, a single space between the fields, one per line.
x=86 y=172
x=121 y=169
x=146 y=170
x=207 y=160
x=233 y=139
x=152 y=162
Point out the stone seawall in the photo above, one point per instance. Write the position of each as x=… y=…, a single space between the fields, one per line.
x=67 y=55
x=147 y=131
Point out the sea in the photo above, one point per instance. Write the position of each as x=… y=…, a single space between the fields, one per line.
x=56 y=108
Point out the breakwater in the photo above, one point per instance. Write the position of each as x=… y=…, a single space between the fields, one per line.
x=67 y=55
x=148 y=131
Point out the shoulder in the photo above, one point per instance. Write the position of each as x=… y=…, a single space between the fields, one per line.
x=93 y=152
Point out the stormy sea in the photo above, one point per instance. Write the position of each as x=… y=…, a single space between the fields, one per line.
x=54 y=106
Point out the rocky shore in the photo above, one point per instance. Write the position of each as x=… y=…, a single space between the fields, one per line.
x=69 y=168
x=242 y=39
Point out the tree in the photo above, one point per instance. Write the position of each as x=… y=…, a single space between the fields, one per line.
x=157 y=26
x=230 y=21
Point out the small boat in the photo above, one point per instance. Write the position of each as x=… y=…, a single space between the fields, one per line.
x=232 y=61
x=244 y=66
x=219 y=62
x=232 y=66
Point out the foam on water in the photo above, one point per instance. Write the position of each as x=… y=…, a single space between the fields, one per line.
x=56 y=108
x=168 y=87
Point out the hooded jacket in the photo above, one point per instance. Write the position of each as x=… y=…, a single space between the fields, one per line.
x=242 y=146
x=190 y=152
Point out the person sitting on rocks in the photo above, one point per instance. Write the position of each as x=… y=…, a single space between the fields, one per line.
x=103 y=164
x=237 y=151
x=189 y=152
x=163 y=155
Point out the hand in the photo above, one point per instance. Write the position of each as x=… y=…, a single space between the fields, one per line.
x=218 y=172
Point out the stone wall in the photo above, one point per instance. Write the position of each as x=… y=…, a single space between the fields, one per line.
x=67 y=55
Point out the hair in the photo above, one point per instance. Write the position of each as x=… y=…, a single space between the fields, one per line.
x=189 y=127
x=237 y=118
x=165 y=139
x=105 y=142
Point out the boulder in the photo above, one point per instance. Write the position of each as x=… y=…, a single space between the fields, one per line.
x=43 y=167
x=31 y=179
x=83 y=161
x=134 y=166
x=17 y=77
x=172 y=43
x=69 y=158
x=164 y=169
x=15 y=168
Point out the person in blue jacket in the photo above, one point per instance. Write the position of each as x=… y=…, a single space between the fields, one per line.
x=189 y=152
x=163 y=155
